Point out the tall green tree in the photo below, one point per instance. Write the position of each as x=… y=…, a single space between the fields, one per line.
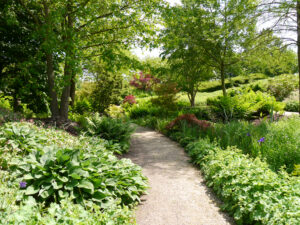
x=22 y=72
x=185 y=58
x=223 y=30
x=73 y=30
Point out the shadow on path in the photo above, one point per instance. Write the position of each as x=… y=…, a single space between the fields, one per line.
x=178 y=194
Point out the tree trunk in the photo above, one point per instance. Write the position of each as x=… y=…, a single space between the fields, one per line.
x=192 y=97
x=16 y=102
x=64 y=103
x=50 y=68
x=73 y=89
x=222 y=71
x=65 y=97
x=51 y=85
x=298 y=45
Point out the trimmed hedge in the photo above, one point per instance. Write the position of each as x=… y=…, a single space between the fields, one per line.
x=251 y=192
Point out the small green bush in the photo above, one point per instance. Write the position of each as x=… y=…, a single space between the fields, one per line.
x=292 y=106
x=251 y=192
x=282 y=86
x=14 y=211
x=55 y=174
x=111 y=129
x=243 y=104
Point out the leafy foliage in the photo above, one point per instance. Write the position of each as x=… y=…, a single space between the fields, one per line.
x=52 y=170
x=282 y=86
x=260 y=195
x=55 y=174
x=244 y=104
x=12 y=211
x=111 y=129
x=144 y=82
x=166 y=95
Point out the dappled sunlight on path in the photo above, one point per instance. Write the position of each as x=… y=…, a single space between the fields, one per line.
x=177 y=194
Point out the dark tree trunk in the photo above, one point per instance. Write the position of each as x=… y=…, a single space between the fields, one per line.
x=51 y=87
x=73 y=89
x=16 y=102
x=192 y=97
x=64 y=103
x=298 y=45
x=222 y=71
x=50 y=69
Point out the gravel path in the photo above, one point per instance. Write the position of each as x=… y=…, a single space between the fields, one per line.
x=177 y=194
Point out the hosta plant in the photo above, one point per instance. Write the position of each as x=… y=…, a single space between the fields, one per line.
x=99 y=177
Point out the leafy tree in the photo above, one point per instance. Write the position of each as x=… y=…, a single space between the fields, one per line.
x=185 y=58
x=271 y=59
x=221 y=30
x=74 y=30
x=22 y=73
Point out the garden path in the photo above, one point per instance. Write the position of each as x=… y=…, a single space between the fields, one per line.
x=177 y=194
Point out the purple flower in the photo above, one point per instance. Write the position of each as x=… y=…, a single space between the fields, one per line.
x=261 y=140
x=23 y=184
x=248 y=134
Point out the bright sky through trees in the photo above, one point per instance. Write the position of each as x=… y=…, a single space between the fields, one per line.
x=144 y=53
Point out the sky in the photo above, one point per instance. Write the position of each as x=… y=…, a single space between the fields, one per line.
x=144 y=53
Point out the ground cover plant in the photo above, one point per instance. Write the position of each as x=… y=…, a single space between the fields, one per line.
x=115 y=130
x=251 y=192
x=50 y=169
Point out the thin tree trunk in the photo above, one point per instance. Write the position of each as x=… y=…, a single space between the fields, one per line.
x=51 y=85
x=64 y=104
x=50 y=68
x=298 y=45
x=73 y=89
x=222 y=71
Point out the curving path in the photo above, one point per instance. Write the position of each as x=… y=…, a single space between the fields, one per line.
x=177 y=194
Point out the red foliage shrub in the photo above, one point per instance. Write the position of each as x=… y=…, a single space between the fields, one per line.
x=192 y=120
x=143 y=81
x=130 y=99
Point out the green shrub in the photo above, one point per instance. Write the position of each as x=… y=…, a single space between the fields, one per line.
x=292 y=106
x=166 y=95
x=116 y=111
x=52 y=162
x=211 y=86
x=55 y=174
x=145 y=109
x=251 y=192
x=82 y=106
x=281 y=146
x=243 y=104
x=111 y=129
x=13 y=211
x=282 y=86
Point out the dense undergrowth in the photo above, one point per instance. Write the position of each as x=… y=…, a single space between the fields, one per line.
x=252 y=167
x=48 y=176
x=251 y=180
